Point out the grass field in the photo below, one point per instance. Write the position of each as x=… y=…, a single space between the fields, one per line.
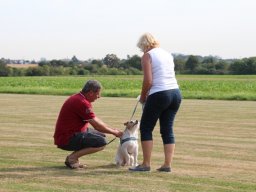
x=215 y=149
x=224 y=87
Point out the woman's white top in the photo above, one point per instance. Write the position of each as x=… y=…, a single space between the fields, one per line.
x=162 y=71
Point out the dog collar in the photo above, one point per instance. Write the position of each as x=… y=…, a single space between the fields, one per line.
x=128 y=139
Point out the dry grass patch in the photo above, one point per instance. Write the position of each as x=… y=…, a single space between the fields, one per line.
x=215 y=148
x=22 y=65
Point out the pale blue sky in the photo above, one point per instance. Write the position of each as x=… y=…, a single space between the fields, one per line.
x=58 y=29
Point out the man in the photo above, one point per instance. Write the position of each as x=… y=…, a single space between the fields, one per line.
x=72 y=132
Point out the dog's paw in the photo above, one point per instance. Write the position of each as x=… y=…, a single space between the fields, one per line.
x=118 y=164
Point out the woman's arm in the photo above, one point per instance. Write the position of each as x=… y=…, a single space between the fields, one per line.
x=147 y=79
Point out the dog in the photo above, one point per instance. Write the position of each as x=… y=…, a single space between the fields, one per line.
x=127 y=152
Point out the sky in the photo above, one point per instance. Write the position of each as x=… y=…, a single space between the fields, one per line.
x=91 y=29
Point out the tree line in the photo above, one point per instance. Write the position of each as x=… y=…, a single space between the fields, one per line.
x=112 y=65
x=192 y=64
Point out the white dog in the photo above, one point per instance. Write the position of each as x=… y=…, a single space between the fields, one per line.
x=127 y=152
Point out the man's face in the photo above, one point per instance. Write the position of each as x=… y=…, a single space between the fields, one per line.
x=93 y=96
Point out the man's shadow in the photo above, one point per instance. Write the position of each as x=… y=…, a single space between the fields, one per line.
x=59 y=170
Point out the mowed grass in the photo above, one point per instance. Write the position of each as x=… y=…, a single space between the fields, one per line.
x=218 y=87
x=215 y=149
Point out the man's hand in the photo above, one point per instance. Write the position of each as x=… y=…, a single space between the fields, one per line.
x=104 y=128
x=118 y=133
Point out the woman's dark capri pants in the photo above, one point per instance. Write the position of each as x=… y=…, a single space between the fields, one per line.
x=90 y=138
x=161 y=105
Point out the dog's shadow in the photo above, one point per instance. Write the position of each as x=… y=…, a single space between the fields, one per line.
x=107 y=169
x=109 y=166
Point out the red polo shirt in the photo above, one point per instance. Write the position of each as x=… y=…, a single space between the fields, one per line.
x=73 y=118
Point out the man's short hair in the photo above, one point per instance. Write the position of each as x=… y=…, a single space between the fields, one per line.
x=91 y=85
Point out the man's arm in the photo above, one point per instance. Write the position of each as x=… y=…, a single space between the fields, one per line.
x=103 y=127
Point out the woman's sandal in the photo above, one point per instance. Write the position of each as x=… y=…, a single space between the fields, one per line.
x=139 y=168
x=164 y=169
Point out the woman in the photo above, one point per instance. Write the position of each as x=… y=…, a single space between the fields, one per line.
x=161 y=98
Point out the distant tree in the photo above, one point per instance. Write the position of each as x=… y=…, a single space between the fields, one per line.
x=111 y=60
x=93 y=68
x=209 y=59
x=103 y=71
x=131 y=62
x=115 y=71
x=191 y=63
x=97 y=62
x=4 y=70
x=57 y=63
x=250 y=65
x=237 y=67
x=210 y=68
x=179 y=65
x=82 y=71
x=32 y=71
x=135 y=62
x=43 y=62
x=74 y=60
x=3 y=61
x=244 y=66
x=133 y=71
x=18 y=71
x=221 y=65
x=33 y=62
x=59 y=71
x=201 y=69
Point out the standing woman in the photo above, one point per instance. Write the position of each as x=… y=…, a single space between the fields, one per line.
x=161 y=98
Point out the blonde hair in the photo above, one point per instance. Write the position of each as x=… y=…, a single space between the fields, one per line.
x=146 y=42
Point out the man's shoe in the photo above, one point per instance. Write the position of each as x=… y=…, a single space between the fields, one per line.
x=73 y=164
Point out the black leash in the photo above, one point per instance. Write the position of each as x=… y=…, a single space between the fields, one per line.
x=135 y=108
x=111 y=141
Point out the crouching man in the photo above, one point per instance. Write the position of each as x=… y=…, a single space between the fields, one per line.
x=72 y=132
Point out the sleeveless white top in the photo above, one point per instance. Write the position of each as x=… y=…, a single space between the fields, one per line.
x=162 y=70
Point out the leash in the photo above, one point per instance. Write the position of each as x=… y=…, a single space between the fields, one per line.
x=135 y=108
x=111 y=141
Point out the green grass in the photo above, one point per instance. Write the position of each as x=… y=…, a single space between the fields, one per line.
x=215 y=149
x=221 y=87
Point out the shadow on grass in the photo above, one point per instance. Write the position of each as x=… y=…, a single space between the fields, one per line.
x=59 y=170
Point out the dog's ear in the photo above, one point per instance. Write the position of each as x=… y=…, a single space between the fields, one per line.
x=126 y=123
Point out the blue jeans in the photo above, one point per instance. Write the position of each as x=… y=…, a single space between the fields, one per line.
x=162 y=105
